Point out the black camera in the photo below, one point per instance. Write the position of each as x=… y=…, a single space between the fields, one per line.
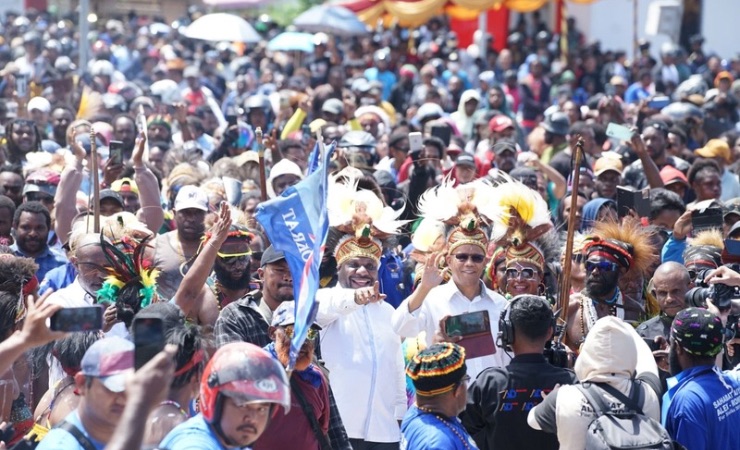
x=555 y=351
x=721 y=294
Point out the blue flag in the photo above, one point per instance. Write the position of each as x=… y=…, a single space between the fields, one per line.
x=313 y=159
x=297 y=224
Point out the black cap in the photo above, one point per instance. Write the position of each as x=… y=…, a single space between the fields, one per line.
x=503 y=146
x=271 y=255
x=110 y=194
x=465 y=160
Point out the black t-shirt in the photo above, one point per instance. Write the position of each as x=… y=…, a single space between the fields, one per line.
x=562 y=162
x=500 y=399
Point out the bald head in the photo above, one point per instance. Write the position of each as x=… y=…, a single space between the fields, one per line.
x=672 y=268
x=670 y=283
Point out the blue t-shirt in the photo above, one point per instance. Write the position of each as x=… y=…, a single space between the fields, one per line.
x=426 y=431
x=703 y=411
x=194 y=434
x=58 y=439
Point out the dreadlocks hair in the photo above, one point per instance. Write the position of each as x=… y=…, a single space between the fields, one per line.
x=70 y=350
x=14 y=153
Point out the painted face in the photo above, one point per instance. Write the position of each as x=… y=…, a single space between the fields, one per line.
x=602 y=275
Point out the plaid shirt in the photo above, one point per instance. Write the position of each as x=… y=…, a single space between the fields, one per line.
x=241 y=321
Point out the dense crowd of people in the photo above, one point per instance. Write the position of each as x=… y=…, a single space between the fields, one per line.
x=526 y=246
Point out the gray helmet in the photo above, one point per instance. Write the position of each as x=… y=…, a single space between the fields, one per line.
x=361 y=139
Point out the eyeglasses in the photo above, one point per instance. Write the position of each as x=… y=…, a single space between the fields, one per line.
x=577 y=258
x=313 y=333
x=526 y=274
x=603 y=266
x=477 y=258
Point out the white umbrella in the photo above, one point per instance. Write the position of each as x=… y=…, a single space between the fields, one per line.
x=331 y=19
x=222 y=27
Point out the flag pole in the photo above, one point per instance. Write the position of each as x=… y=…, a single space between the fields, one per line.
x=564 y=297
x=95 y=182
x=261 y=159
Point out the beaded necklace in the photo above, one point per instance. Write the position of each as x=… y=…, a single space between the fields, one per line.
x=613 y=303
x=447 y=424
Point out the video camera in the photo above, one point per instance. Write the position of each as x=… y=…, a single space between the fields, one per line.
x=555 y=352
x=721 y=294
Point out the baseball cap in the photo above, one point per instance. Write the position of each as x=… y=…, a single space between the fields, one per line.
x=110 y=359
x=191 y=72
x=333 y=106
x=125 y=185
x=110 y=194
x=670 y=175
x=49 y=189
x=698 y=331
x=191 y=197
x=39 y=103
x=503 y=146
x=732 y=207
x=617 y=80
x=285 y=315
x=715 y=148
x=500 y=122
x=607 y=164
x=465 y=160
x=556 y=123
x=271 y=255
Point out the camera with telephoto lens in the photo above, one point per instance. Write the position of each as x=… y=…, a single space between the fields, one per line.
x=721 y=294
x=555 y=351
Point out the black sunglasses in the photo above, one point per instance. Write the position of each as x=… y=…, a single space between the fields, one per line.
x=475 y=257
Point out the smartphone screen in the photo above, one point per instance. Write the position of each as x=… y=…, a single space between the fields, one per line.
x=116 y=152
x=442 y=131
x=466 y=324
x=617 y=131
x=87 y=318
x=21 y=85
x=149 y=339
x=415 y=142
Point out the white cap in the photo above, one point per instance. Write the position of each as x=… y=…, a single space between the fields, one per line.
x=39 y=103
x=191 y=197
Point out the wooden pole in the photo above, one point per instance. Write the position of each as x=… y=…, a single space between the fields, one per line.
x=261 y=159
x=564 y=297
x=95 y=182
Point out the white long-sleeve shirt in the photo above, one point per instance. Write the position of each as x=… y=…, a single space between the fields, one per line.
x=447 y=300
x=365 y=362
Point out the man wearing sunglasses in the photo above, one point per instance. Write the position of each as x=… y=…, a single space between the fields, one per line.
x=428 y=307
x=307 y=421
x=225 y=251
x=607 y=259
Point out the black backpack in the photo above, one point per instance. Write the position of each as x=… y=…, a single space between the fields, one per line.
x=629 y=429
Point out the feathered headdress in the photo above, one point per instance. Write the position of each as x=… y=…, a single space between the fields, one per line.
x=705 y=249
x=466 y=211
x=525 y=216
x=627 y=243
x=361 y=216
x=128 y=266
